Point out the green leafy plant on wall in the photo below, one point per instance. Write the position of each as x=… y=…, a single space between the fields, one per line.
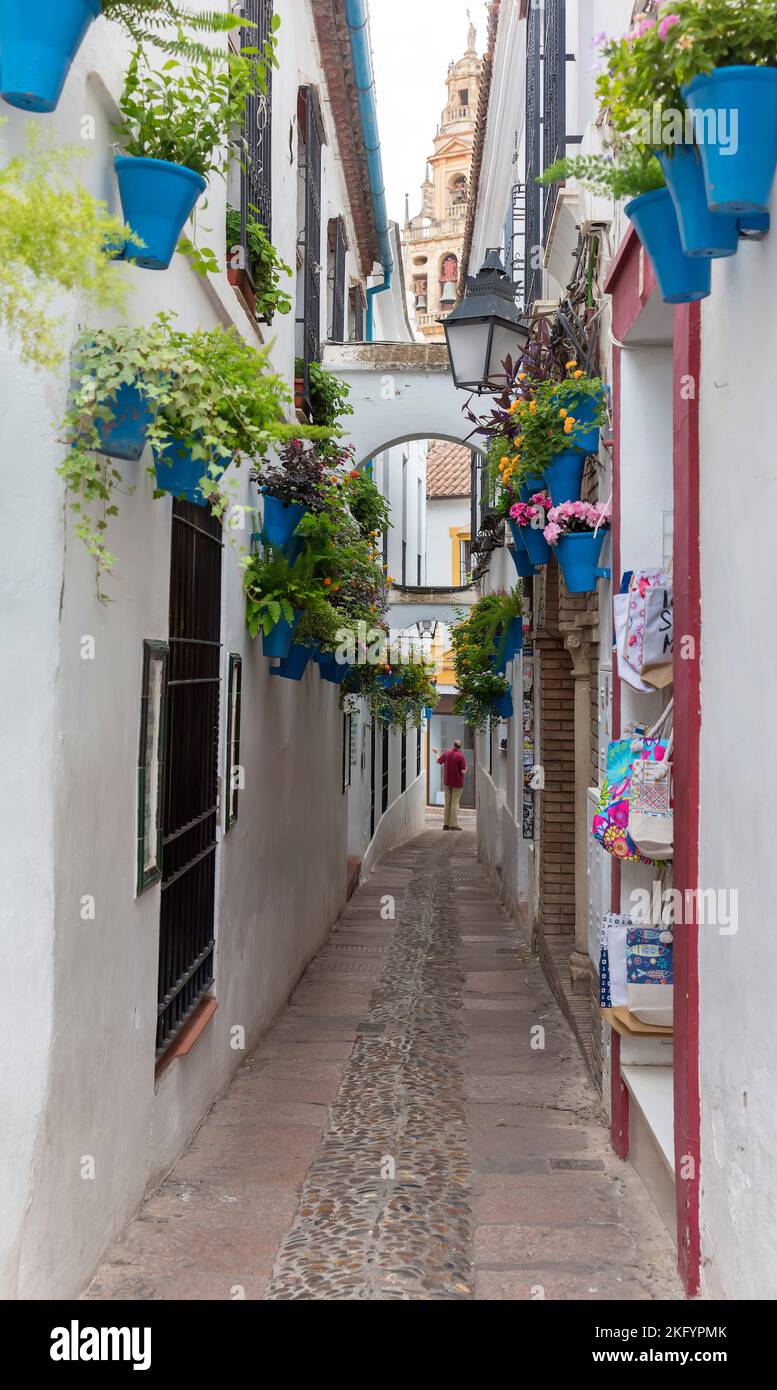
x=328 y=394
x=185 y=115
x=209 y=389
x=53 y=239
x=625 y=170
x=264 y=264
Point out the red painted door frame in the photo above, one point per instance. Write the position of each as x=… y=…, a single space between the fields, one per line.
x=631 y=283
x=687 y=723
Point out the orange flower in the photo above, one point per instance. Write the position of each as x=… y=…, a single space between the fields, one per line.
x=327 y=582
x=563 y=413
x=577 y=375
x=569 y=424
x=533 y=408
x=571 y=364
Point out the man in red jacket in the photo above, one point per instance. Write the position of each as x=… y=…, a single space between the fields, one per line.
x=454 y=766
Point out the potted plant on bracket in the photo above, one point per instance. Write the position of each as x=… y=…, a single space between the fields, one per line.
x=175 y=131
x=577 y=530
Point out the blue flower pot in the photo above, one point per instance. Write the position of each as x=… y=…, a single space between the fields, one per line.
x=500 y=656
x=585 y=409
x=702 y=233
x=157 y=197
x=533 y=541
x=278 y=641
x=389 y=682
x=279 y=523
x=578 y=556
x=124 y=437
x=504 y=705
x=564 y=476
x=740 y=181
x=520 y=556
x=681 y=279
x=527 y=490
x=37 y=45
x=330 y=669
x=294 y=666
x=180 y=474
x=514 y=638
x=428 y=711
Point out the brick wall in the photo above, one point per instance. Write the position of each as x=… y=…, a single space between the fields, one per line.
x=557 y=746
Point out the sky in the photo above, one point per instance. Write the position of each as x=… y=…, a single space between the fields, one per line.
x=413 y=41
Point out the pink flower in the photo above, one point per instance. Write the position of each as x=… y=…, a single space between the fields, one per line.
x=667 y=24
x=643 y=25
x=552 y=533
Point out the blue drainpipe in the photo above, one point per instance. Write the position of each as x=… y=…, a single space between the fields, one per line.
x=357 y=21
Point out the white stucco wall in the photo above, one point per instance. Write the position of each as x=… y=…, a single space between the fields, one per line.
x=77 y=1034
x=738 y=757
x=443 y=513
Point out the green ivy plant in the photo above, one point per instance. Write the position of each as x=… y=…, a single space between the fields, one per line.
x=264 y=264
x=476 y=642
x=328 y=394
x=209 y=389
x=53 y=238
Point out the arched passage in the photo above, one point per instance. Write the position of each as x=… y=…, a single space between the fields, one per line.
x=399 y=392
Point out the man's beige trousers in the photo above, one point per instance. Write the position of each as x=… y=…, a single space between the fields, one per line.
x=452 y=799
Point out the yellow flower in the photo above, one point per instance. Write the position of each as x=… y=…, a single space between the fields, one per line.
x=521 y=376
x=533 y=408
x=569 y=425
x=516 y=405
x=578 y=374
x=571 y=364
x=563 y=413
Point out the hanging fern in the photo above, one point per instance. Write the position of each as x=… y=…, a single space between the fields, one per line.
x=146 y=21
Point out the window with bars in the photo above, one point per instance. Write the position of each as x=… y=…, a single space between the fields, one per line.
x=151 y=763
x=256 y=173
x=336 y=277
x=403 y=762
x=311 y=141
x=357 y=315
x=554 y=104
x=418 y=739
x=533 y=207
x=233 y=770
x=384 y=791
x=546 y=135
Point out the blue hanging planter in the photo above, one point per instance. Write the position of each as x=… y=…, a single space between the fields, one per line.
x=564 y=476
x=681 y=279
x=180 y=474
x=124 y=437
x=428 y=712
x=702 y=233
x=578 y=556
x=514 y=638
x=330 y=669
x=527 y=490
x=586 y=410
x=277 y=642
x=157 y=197
x=520 y=556
x=738 y=179
x=503 y=705
x=294 y=666
x=533 y=541
x=37 y=45
x=279 y=523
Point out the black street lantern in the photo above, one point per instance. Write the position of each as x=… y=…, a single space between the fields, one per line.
x=485 y=329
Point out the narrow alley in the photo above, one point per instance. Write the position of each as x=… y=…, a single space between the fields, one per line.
x=417 y=1125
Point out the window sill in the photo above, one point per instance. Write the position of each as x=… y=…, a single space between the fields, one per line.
x=191 y=1031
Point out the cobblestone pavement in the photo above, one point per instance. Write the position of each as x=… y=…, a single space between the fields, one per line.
x=399 y=1135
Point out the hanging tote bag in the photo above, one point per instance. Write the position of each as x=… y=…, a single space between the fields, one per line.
x=620 y=617
x=643 y=582
x=657 y=639
x=650 y=820
x=612 y=959
x=649 y=974
x=611 y=817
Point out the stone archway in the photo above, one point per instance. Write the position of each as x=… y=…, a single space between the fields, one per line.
x=399 y=392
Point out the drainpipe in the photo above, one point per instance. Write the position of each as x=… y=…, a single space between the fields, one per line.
x=357 y=19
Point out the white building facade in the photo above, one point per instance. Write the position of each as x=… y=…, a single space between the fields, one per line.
x=100 y=1115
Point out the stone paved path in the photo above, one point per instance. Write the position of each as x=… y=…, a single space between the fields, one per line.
x=399 y=1135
